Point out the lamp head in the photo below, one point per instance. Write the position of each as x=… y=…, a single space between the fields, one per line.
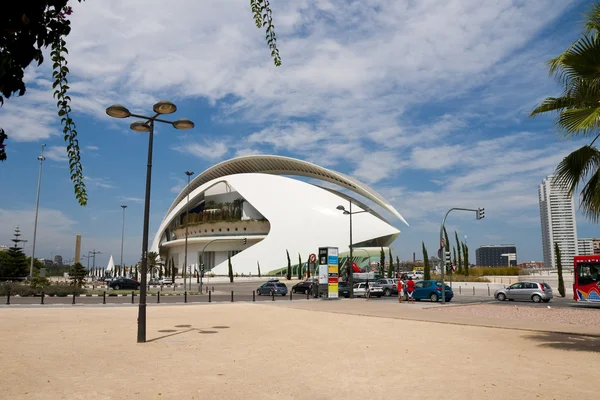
x=183 y=124
x=118 y=111
x=341 y=208
x=164 y=107
x=140 y=126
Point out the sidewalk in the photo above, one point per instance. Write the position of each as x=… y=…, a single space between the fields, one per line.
x=438 y=313
x=259 y=351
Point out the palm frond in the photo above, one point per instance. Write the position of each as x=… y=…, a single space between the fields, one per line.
x=579 y=120
x=592 y=16
x=575 y=167
x=554 y=104
x=590 y=197
x=580 y=61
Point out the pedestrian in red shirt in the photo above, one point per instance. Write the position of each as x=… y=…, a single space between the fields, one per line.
x=410 y=288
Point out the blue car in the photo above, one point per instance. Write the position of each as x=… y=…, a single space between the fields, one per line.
x=431 y=290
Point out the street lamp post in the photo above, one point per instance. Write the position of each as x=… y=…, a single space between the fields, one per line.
x=349 y=266
x=94 y=260
x=480 y=214
x=122 y=234
x=187 y=222
x=147 y=125
x=37 y=207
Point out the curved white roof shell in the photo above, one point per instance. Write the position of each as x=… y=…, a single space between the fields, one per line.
x=302 y=217
x=279 y=165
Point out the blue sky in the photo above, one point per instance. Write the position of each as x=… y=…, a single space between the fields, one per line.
x=425 y=101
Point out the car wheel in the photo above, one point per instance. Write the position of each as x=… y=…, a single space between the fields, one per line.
x=258 y=292
x=434 y=297
x=116 y=287
x=546 y=300
x=536 y=298
x=501 y=297
x=137 y=287
x=387 y=292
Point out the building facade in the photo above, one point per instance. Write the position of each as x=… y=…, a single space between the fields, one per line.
x=588 y=246
x=502 y=255
x=245 y=210
x=557 y=215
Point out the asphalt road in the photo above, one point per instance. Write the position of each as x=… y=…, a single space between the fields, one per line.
x=218 y=297
x=243 y=292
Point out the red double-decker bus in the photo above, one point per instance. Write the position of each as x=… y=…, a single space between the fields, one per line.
x=586 y=281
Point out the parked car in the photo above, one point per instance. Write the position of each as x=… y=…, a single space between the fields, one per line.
x=154 y=281
x=124 y=283
x=389 y=286
x=526 y=291
x=272 y=287
x=343 y=289
x=302 y=287
x=165 y=281
x=360 y=289
x=431 y=290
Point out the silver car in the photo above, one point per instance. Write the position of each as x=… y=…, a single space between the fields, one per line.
x=525 y=291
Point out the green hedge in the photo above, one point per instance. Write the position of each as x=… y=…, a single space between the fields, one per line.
x=26 y=290
x=494 y=271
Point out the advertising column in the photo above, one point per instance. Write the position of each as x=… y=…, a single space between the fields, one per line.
x=332 y=263
x=328 y=270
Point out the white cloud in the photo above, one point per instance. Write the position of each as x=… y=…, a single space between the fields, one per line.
x=56 y=153
x=92 y=148
x=207 y=149
x=99 y=182
x=137 y=200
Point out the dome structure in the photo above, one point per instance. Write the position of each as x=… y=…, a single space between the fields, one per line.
x=250 y=209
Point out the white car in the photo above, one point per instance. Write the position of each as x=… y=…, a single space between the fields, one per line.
x=360 y=289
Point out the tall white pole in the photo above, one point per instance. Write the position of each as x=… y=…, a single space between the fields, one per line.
x=187 y=222
x=122 y=235
x=37 y=206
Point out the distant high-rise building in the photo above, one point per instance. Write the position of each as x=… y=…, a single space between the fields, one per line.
x=501 y=255
x=58 y=260
x=585 y=246
x=557 y=214
x=588 y=246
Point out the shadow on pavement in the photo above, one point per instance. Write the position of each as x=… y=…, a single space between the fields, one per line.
x=565 y=341
x=170 y=334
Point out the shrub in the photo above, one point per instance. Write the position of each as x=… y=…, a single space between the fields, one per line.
x=494 y=271
x=460 y=278
x=27 y=290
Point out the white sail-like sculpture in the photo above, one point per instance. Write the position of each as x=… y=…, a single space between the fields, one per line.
x=110 y=267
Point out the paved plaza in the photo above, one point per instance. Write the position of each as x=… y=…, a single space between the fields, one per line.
x=294 y=350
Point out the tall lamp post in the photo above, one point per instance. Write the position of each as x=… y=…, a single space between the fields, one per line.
x=187 y=222
x=37 y=207
x=479 y=214
x=349 y=266
x=122 y=234
x=147 y=125
x=93 y=253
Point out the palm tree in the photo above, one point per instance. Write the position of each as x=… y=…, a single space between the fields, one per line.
x=152 y=261
x=578 y=107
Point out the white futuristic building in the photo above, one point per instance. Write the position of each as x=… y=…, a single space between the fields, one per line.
x=248 y=208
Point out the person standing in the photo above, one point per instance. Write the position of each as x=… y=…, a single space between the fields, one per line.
x=400 y=285
x=410 y=288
